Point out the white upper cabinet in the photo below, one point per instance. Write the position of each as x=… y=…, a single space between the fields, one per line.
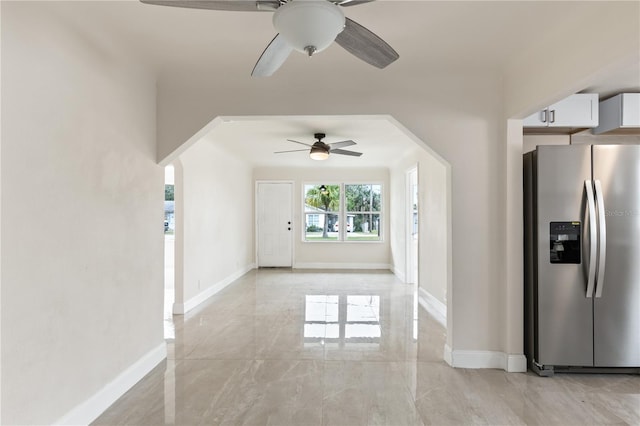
x=576 y=111
x=620 y=114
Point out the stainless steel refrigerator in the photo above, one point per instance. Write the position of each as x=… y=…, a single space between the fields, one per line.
x=582 y=258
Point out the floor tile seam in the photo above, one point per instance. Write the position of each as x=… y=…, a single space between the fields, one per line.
x=216 y=359
x=247 y=359
x=323 y=388
x=318 y=359
x=371 y=361
x=408 y=391
x=440 y=362
x=186 y=355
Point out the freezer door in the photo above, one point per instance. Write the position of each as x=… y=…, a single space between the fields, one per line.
x=617 y=309
x=564 y=312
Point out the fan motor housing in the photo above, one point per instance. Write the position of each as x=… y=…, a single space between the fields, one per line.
x=321 y=146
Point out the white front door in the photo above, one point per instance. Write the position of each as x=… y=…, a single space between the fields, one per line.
x=275 y=225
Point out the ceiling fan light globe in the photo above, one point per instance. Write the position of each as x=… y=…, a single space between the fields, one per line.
x=318 y=154
x=309 y=25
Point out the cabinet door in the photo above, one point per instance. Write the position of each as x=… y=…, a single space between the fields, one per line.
x=630 y=109
x=538 y=119
x=580 y=110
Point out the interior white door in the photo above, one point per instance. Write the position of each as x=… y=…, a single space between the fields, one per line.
x=274 y=221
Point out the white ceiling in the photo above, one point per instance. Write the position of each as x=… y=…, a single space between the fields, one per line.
x=256 y=139
x=444 y=34
x=432 y=35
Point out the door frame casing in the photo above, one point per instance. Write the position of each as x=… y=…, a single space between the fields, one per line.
x=409 y=259
x=255 y=216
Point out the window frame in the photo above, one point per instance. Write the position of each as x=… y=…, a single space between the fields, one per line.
x=342 y=213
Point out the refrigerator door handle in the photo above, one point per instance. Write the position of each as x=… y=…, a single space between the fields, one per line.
x=602 y=239
x=593 y=232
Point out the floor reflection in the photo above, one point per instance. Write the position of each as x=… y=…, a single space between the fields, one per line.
x=168 y=325
x=169 y=285
x=341 y=321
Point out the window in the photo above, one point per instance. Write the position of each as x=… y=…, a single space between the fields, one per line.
x=328 y=207
x=363 y=211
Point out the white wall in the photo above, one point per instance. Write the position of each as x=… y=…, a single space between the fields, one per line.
x=217 y=192
x=329 y=254
x=81 y=217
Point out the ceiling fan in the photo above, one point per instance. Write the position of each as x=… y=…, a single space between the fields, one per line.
x=308 y=26
x=320 y=150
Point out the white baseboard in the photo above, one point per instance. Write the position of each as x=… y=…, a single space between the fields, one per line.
x=309 y=265
x=92 y=408
x=511 y=363
x=398 y=273
x=436 y=308
x=183 y=308
x=448 y=355
x=516 y=363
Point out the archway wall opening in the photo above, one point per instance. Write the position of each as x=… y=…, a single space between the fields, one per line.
x=456 y=118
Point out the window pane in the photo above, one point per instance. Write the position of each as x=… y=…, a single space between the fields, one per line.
x=363 y=197
x=376 y=198
x=366 y=227
x=321 y=205
x=317 y=232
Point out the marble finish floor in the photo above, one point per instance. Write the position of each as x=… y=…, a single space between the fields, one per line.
x=283 y=347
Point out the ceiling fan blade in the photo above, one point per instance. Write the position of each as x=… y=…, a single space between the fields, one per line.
x=233 y=5
x=365 y=45
x=352 y=2
x=293 y=150
x=345 y=152
x=301 y=143
x=341 y=144
x=272 y=58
